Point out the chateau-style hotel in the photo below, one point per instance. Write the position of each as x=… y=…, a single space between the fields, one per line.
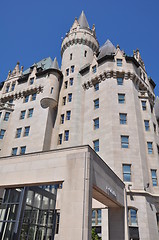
x=79 y=145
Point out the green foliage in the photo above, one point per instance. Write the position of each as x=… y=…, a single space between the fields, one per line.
x=95 y=235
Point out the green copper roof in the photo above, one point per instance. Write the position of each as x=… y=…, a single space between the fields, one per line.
x=44 y=64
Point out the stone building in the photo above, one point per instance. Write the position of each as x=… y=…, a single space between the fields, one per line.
x=81 y=141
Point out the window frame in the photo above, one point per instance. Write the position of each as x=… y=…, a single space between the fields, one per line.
x=2 y=133
x=96 y=123
x=131 y=216
x=16 y=150
x=68 y=115
x=26 y=131
x=127 y=176
x=60 y=139
x=119 y=62
x=123 y=118
x=96 y=145
x=154 y=178
x=22 y=150
x=18 y=132
x=121 y=98
x=30 y=114
x=22 y=114
x=96 y=86
x=124 y=143
x=96 y=103
x=150 y=147
x=120 y=81
x=66 y=135
x=6 y=116
x=69 y=99
x=147 y=125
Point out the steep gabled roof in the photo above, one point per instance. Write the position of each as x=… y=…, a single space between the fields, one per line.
x=83 y=21
x=107 y=49
x=44 y=64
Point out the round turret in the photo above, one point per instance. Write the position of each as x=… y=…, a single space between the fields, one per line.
x=79 y=34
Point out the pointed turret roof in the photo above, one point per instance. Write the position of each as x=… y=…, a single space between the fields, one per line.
x=55 y=64
x=83 y=21
x=107 y=49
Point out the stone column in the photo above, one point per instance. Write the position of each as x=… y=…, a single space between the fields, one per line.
x=116 y=223
x=76 y=204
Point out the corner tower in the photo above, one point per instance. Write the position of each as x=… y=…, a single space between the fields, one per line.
x=77 y=50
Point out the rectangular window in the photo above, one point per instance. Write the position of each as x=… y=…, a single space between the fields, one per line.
x=94 y=69
x=71 y=81
x=6 y=116
x=0 y=114
x=96 y=145
x=72 y=69
x=66 y=137
x=96 y=103
x=68 y=115
x=13 y=87
x=70 y=56
x=7 y=88
x=96 y=123
x=22 y=150
x=150 y=147
x=18 y=132
x=2 y=132
x=120 y=81
x=62 y=119
x=60 y=139
x=51 y=91
x=22 y=114
x=70 y=97
x=132 y=217
x=119 y=62
x=124 y=141
x=154 y=177
x=143 y=105
x=154 y=127
x=31 y=81
x=14 y=151
x=65 y=84
x=123 y=118
x=67 y=71
x=126 y=172
x=121 y=98
x=30 y=112
x=33 y=97
x=26 y=98
x=147 y=125
x=96 y=87
x=26 y=131
x=64 y=101
x=85 y=53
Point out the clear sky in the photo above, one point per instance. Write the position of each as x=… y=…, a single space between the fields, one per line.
x=32 y=29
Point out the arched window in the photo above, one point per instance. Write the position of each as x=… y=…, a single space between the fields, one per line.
x=132 y=217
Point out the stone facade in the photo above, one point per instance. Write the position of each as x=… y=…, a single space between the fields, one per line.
x=100 y=97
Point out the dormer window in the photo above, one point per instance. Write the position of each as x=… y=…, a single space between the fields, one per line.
x=31 y=81
x=13 y=87
x=119 y=62
x=7 y=88
x=94 y=69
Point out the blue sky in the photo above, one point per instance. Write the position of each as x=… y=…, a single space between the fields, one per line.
x=31 y=30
